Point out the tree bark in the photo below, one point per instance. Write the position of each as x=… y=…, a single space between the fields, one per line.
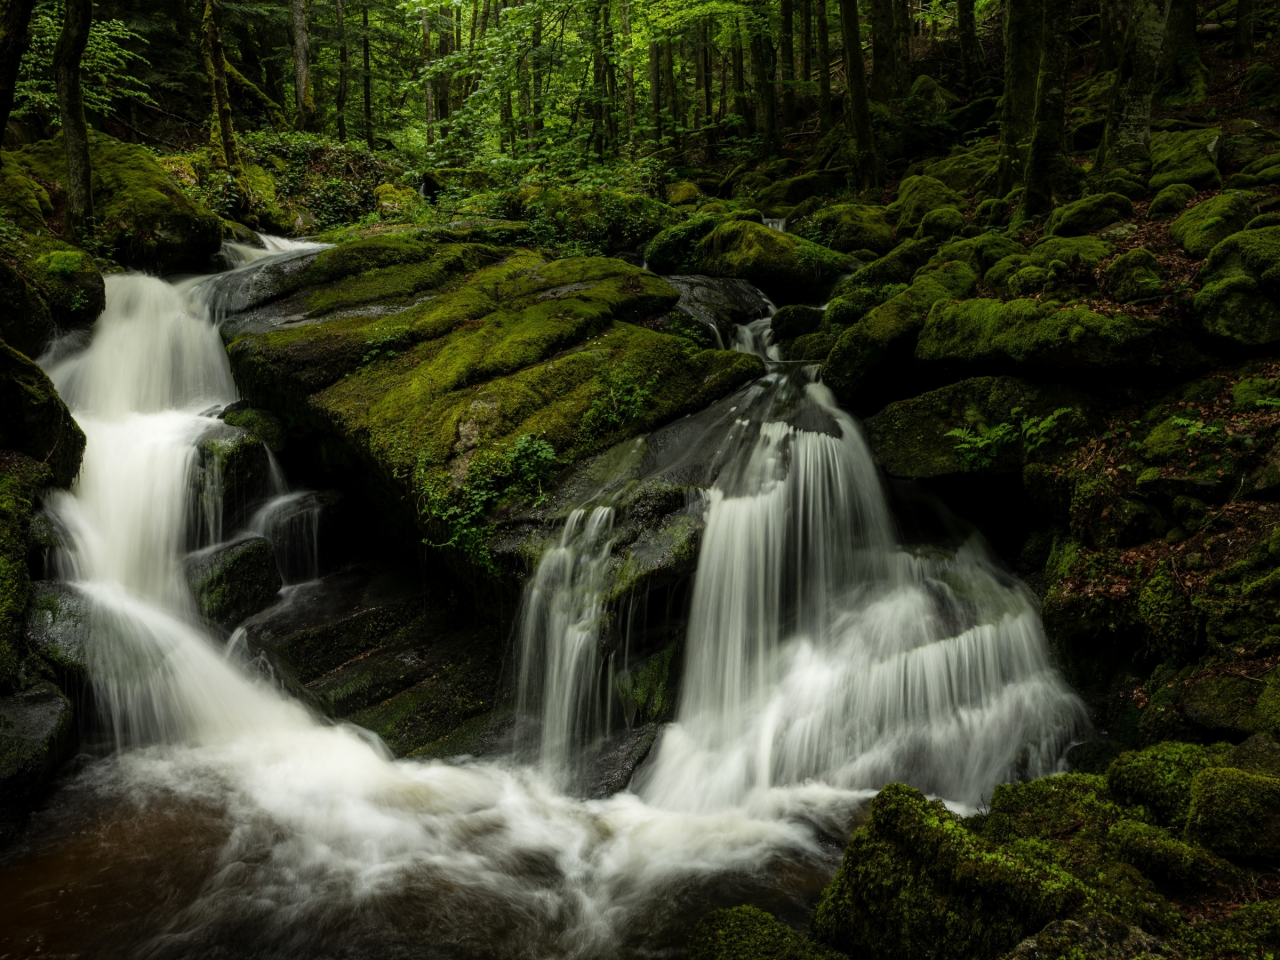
x=903 y=23
x=970 y=54
x=223 y=136
x=428 y=93
x=858 y=108
x=368 y=78
x=306 y=108
x=655 y=88
x=884 y=65
x=1048 y=170
x=825 y=119
x=1243 y=46
x=762 y=71
x=673 y=99
x=1126 y=141
x=806 y=42
x=787 y=52
x=740 y=107
x=1182 y=78
x=1023 y=21
x=343 y=80
x=443 y=87
x=628 y=70
x=15 y=37
x=75 y=133
x=1111 y=28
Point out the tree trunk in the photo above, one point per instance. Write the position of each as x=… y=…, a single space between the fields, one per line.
x=15 y=37
x=708 y=66
x=343 y=78
x=427 y=92
x=767 y=110
x=306 y=112
x=1048 y=171
x=970 y=54
x=740 y=107
x=903 y=24
x=1022 y=25
x=222 y=135
x=75 y=134
x=368 y=79
x=1111 y=26
x=884 y=66
x=655 y=88
x=825 y=119
x=806 y=48
x=858 y=108
x=1182 y=78
x=628 y=71
x=787 y=50
x=673 y=99
x=443 y=85
x=535 y=68
x=1243 y=46
x=1126 y=141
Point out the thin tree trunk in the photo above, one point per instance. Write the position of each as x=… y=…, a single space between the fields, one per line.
x=306 y=112
x=368 y=79
x=903 y=24
x=806 y=41
x=223 y=136
x=1126 y=141
x=628 y=70
x=740 y=107
x=825 y=119
x=1182 y=77
x=442 y=88
x=970 y=55
x=655 y=88
x=673 y=100
x=1023 y=22
x=884 y=64
x=708 y=96
x=427 y=92
x=75 y=133
x=1111 y=28
x=343 y=78
x=766 y=106
x=535 y=68
x=858 y=106
x=1243 y=46
x=15 y=37
x=787 y=49
x=1048 y=171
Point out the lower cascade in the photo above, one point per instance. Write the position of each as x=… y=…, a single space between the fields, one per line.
x=823 y=658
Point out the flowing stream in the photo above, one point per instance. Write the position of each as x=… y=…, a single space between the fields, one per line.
x=822 y=660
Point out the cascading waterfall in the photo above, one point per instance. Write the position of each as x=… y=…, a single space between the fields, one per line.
x=822 y=660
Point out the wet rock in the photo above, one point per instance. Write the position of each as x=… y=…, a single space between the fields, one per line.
x=231 y=582
x=1210 y=222
x=748 y=933
x=57 y=629
x=35 y=421
x=611 y=771
x=36 y=733
x=1089 y=214
x=720 y=303
x=234 y=476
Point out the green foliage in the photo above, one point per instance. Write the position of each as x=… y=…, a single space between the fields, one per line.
x=623 y=399
x=980 y=448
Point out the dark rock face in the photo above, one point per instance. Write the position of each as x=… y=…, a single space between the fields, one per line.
x=36 y=422
x=36 y=733
x=720 y=304
x=57 y=629
x=233 y=581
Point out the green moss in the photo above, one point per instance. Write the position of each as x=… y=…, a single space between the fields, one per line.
x=262 y=424
x=1237 y=309
x=22 y=200
x=1088 y=214
x=235 y=582
x=794 y=190
x=25 y=324
x=854 y=303
x=899 y=266
x=1159 y=778
x=892 y=327
x=1166 y=859
x=1136 y=276
x=914 y=882
x=846 y=227
x=941 y=224
x=918 y=196
x=1068 y=264
x=650 y=689
x=966 y=169
x=20 y=479
x=981 y=253
x=748 y=933
x=142 y=213
x=591 y=221
x=678 y=194
x=788 y=268
x=1210 y=222
x=1189 y=157
x=1252 y=393
x=1171 y=201
x=672 y=250
x=795 y=321
x=1235 y=813
x=36 y=422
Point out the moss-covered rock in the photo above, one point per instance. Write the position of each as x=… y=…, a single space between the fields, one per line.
x=941 y=224
x=36 y=422
x=1241 y=281
x=1159 y=778
x=25 y=323
x=917 y=196
x=36 y=730
x=877 y=346
x=788 y=193
x=20 y=481
x=748 y=933
x=966 y=168
x=1235 y=813
x=142 y=213
x=235 y=581
x=1136 y=276
x=981 y=253
x=1171 y=201
x=599 y=221
x=1166 y=859
x=898 y=266
x=1089 y=214
x=916 y=883
x=795 y=321
x=1210 y=222
x=1189 y=157
x=846 y=227
x=1061 y=265
x=786 y=267
x=679 y=194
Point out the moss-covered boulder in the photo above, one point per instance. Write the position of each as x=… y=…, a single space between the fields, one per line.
x=786 y=267
x=846 y=227
x=25 y=323
x=598 y=221
x=916 y=883
x=795 y=321
x=1189 y=157
x=1159 y=778
x=1089 y=214
x=898 y=266
x=1210 y=222
x=1057 y=265
x=36 y=422
x=941 y=224
x=1164 y=858
x=684 y=192
x=233 y=581
x=1235 y=813
x=1241 y=284
x=917 y=196
x=877 y=348
x=981 y=253
x=1171 y=201
x=973 y=425
x=1136 y=276
x=483 y=393
x=788 y=193
x=966 y=168
x=1027 y=334
x=142 y=214
x=748 y=933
